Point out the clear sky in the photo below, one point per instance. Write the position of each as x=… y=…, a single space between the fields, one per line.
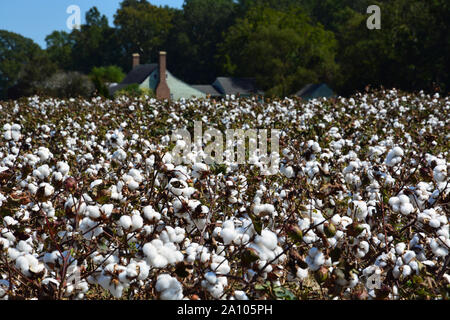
x=36 y=19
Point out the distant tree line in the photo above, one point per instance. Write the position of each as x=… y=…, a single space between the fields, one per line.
x=284 y=44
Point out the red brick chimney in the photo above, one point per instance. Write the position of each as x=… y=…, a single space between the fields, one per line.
x=136 y=61
x=162 y=90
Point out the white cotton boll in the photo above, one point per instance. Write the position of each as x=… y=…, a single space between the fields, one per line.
x=288 y=172
x=394 y=156
x=211 y=277
x=169 y=287
x=414 y=266
x=269 y=239
x=151 y=215
x=42 y=172
x=408 y=256
x=125 y=222
x=406 y=208
x=302 y=274
x=23 y=265
x=144 y=270
x=23 y=246
x=228 y=235
x=319 y=259
x=44 y=154
x=9 y=221
x=360 y=210
x=240 y=295
x=396 y=272
x=63 y=167
x=93 y=212
x=4 y=243
x=116 y=290
x=136 y=222
x=132 y=184
x=107 y=209
x=264 y=208
x=48 y=189
x=406 y=270
x=400 y=248
x=434 y=223
x=440 y=173
x=13 y=253
x=403 y=198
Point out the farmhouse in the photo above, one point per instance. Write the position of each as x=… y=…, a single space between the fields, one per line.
x=159 y=79
x=149 y=76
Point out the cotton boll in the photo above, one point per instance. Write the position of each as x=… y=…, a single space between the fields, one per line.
x=406 y=270
x=394 y=156
x=107 y=209
x=62 y=167
x=240 y=295
x=211 y=277
x=400 y=248
x=169 y=288
x=23 y=246
x=408 y=256
x=136 y=222
x=302 y=274
x=93 y=212
x=132 y=185
x=159 y=254
x=151 y=215
x=360 y=210
x=144 y=270
x=434 y=223
x=125 y=222
x=116 y=290
x=23 y=265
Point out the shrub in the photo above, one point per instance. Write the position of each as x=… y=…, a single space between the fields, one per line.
x=68 y=84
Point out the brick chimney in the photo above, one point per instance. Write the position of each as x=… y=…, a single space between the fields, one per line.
x=162 y=90
x=136 y=61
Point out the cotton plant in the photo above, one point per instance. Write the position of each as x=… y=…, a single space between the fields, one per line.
x=357 y=193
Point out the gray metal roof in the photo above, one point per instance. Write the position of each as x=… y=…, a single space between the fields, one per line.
x=242 y=86
x=207 y=89
x=137 y=75
x=315 y=91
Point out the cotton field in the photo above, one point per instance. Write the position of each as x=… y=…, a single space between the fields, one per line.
x=93 y=207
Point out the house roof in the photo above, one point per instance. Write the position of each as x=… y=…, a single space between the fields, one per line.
x=243 y=86
x=315 y=90
x=207 y=89
x=137 y=75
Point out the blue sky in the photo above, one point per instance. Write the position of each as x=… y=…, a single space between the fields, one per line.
x=36 y=19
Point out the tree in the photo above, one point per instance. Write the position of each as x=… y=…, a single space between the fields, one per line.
x=96 y=44
x=59 y=49
x=23 y=64
x=282 y=50
x=199 y=28
x=103 y=76
x=142 y=28
x=67 y=85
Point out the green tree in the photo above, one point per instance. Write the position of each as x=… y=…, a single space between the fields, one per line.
x=23 y=64
x=96 y=44
x=282 y=50
x=59 y=49
x=102 y=77
x=142 y=28
x=199 y=28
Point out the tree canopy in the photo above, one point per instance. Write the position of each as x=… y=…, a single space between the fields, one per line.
x=284 y=44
